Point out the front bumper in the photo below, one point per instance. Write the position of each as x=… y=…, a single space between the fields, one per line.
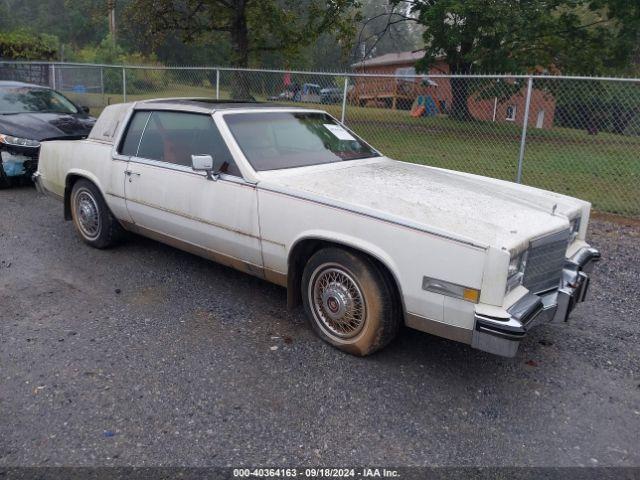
x=16 y=163
x=502 y=336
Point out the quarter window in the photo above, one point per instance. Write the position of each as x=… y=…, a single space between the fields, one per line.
x=132 y=138
x=173 y=137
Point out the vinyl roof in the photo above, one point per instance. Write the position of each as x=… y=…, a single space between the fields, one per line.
x=106 y=127
x=204 y=104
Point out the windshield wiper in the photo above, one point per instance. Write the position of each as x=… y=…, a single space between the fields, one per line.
x=361 y=157
x=52 y=111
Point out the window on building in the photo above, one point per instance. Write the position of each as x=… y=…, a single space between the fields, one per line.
x=511 y=113
x=407 y=73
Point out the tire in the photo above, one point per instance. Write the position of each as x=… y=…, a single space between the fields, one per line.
x=349 y=301
x=94 y=222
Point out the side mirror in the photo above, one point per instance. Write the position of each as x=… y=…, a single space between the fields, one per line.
x=84 y=109
x=206 y=163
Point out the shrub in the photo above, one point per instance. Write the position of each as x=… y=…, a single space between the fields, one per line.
x=26 y=45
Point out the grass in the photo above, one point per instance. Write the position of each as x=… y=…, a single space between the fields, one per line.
x=603 y=169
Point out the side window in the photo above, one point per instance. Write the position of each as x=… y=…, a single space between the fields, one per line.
x=173 y=137
x=129 y=145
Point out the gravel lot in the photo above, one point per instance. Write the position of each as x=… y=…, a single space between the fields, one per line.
x=145 y=355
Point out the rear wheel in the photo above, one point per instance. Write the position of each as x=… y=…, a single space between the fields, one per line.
x=93 y=221
x=349 y=301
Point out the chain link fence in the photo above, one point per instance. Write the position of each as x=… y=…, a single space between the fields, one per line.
x=574 y=135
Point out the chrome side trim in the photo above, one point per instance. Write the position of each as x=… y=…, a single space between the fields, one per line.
x=188 y=170
x=195 y=219
x=440 y=329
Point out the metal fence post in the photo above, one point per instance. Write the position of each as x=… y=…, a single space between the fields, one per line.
x=102 y=84
x=53 y=76
x=217 y=84
x=344 y=99
x=525 y=122
x=124 y=84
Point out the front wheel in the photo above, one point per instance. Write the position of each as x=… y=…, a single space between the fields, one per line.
x=93 y=221
x=349 y=301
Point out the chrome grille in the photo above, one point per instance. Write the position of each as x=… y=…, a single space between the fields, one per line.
x=545 y=262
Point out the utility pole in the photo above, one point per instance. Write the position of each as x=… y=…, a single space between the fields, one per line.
x=111 y=5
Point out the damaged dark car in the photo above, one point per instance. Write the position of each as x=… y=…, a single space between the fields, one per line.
x=30 y=114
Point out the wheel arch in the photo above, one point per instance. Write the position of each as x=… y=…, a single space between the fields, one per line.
x=304 y=247
x=71 y=178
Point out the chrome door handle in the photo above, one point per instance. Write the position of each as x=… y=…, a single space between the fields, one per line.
x=129 y=174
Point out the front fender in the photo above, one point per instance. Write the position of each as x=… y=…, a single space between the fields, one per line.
x=349 y=241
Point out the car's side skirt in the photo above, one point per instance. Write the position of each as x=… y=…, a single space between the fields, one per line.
x=226 y=260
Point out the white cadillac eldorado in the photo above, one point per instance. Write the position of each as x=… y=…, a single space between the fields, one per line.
x=292 y=196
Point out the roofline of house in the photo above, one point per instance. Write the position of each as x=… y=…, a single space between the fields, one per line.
x=374 y=62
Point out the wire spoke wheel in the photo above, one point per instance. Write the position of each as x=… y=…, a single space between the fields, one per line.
x=87 y=214
x=337 y=301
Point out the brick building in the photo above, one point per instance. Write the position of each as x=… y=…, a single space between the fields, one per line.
x=400 y=91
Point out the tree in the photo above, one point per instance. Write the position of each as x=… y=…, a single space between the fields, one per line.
x=253 y=26
x=488 y=36
x=73 y=22
x=386 y=29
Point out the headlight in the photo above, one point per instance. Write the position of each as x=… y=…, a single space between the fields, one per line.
x=18 y=142
x=574 y=228
x=517 y=265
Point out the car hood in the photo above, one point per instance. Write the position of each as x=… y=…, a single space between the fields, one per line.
x=480 y=210
x=43 y=126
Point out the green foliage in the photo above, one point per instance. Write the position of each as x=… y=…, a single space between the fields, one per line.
x=252 y=28
x=26 y=45
x=595 y=107
x=74 y=22
x=108 y=52
x=487 y=36
x=526 y=36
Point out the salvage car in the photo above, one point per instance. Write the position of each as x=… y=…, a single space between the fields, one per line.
x=364 y=242
x=30 y=114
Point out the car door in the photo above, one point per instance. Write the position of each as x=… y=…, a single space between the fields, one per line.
x=167 y=200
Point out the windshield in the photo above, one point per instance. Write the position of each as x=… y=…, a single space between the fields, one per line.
x=33 y=99
x=276 y=140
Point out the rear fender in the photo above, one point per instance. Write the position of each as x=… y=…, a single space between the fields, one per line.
x=73 y=176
